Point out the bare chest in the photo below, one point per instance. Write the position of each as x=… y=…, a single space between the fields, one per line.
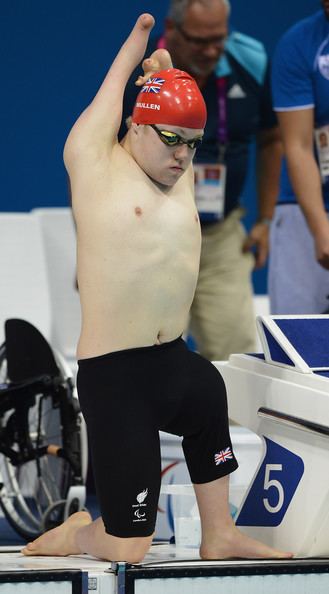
x=129 y=218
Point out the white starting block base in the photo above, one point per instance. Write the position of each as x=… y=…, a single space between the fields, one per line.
x=166 y=570
x=287 y=404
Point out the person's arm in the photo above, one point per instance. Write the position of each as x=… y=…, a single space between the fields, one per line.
x=160 y=59
x=99 y=123
x=268 y=166
x=294 y=101
x=269 y=155
x=297 y=134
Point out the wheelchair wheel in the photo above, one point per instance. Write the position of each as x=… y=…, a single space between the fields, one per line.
x=33 y=493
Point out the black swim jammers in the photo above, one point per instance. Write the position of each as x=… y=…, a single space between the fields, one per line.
x=128 y=396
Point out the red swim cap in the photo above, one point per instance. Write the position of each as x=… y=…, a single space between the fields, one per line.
x=170 y=97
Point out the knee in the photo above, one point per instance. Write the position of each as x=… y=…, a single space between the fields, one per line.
x=214 y=403
x=135 y=557
x=214 y=393
x=133 y=550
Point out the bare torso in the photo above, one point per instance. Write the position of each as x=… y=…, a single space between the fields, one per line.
x=138 y=254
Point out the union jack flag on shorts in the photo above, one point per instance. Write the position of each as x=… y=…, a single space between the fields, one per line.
x=223 y=455
x=153 y=85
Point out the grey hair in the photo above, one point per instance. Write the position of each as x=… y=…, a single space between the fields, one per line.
x=178 y=8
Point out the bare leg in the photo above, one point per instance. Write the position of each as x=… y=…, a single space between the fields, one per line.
x=79 y=534
x=221 y=539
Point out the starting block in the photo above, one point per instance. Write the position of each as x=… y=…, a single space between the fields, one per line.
x=283 y=396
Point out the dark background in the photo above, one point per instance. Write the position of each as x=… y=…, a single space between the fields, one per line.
x=54 y=55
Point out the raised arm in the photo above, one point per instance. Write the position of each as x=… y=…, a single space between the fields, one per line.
x=100 y=121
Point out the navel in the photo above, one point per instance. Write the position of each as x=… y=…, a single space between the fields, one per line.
x=196 y=218
x=138 y=211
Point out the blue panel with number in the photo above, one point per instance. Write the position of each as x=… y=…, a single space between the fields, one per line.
x=273 y=488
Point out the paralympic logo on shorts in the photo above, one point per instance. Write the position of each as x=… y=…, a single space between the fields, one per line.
x=139 y=513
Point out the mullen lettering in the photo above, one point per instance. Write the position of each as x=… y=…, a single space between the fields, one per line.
x=148 y=106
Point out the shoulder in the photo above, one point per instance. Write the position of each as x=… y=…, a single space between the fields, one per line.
x=297 y=48
x=249 y=53
x=304 y=37
x=312 y=23
x=293 y=63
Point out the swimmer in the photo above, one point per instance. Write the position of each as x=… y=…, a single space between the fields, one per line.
x=139 y=241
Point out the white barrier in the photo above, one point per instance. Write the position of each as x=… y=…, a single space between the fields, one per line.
x=24 y=290
x=38 y=270
x=59 y=246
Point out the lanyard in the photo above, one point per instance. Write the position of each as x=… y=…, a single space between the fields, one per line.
x=161 y=44
x=222 y=133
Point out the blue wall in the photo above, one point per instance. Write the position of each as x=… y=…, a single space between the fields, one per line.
x=55 y=54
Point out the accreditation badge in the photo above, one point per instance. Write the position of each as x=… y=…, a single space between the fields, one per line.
x=210 y=181
x=322 y=146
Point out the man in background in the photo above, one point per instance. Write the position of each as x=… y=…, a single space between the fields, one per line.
x=232 y=73
x=299 y=264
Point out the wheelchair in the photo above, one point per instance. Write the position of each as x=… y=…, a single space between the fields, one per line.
x=43 y=439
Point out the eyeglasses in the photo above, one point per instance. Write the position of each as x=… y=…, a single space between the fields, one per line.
x=173 y=139
x=201 y=42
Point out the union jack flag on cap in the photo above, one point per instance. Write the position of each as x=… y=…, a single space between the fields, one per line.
x=153 y=85
x=223 y=456
x=170 y=97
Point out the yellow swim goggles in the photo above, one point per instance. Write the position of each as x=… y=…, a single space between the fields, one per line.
x=173 y=139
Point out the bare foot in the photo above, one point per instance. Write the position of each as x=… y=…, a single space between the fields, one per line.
x=59 y=541
x=236 y=544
